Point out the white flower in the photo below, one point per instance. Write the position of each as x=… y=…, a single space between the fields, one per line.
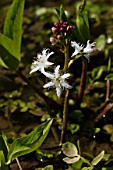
x=89 y=47
x=58 y=81
x=41 y=61
x=77 y=47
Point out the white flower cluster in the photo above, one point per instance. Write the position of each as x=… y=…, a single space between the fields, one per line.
x=57 y=80
x=86 y=51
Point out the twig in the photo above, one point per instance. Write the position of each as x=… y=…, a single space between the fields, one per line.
x=108 y=107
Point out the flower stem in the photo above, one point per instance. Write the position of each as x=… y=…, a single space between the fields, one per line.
x=65 y=116
x=107 y=90
x=83 y=81
x=66 y=51
x=66 y=99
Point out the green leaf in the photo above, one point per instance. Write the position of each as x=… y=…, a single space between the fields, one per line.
x=71 y=160
x=97 y=159
x=109 y=64
x=97 y=72
x=3 y=165
x=10 y=41
x=69 y=149
x=82 y=23
x=13 y=23
x=29 y=143
x=3 y=144
x=77 y=165
x=8 y=55
x=61 y=14
x=49 y=167
x=109 y=77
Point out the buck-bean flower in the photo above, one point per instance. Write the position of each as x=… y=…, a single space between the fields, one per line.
x=89 y=47
x=58 y=81
x=77 y=47
x=41 y=61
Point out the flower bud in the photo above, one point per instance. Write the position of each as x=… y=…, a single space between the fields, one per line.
x=69 y=28
x=52 y=40
x=62 y=29
x=54 y=30
x=65 y=24
x=56 y=24
x=59 y=37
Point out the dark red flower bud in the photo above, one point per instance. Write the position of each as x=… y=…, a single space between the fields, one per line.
x=62 y=29
x=54 y=30
x=56 y=24
x=65 y=24
x=61 y=22
x=59 y=37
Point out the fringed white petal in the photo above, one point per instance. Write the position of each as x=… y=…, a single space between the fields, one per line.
x=58 y=91
x=50 y=84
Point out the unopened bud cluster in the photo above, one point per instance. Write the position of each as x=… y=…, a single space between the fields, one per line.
x=60 y=30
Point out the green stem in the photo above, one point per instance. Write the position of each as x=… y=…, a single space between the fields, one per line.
x=66 y=98
x=65 y=116
x=66 y=51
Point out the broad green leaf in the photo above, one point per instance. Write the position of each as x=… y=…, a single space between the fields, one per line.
x=13 y=22
x=82 y=23
x=10 y=41
x=3 y=165
x=71 y=160
x=8 y=55
x=109 y=77
x=3 y=144
x=69 y=149
x=29 y=143
x=98 y=158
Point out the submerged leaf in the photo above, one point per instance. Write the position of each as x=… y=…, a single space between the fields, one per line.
x=98 y=158
x=69 y=149
x=71 y=160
